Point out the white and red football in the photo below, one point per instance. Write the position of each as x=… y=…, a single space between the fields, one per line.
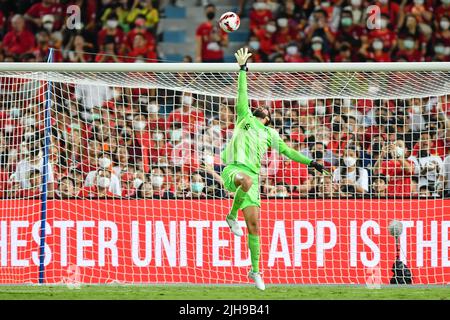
x=229 y=22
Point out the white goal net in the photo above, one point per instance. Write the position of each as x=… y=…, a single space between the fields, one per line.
x=121 y=165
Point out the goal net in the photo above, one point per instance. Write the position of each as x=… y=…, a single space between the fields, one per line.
x=111 y=173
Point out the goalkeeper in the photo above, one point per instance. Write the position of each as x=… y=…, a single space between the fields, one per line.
x=242 y=157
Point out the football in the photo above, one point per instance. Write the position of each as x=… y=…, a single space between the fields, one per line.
x=229 y=22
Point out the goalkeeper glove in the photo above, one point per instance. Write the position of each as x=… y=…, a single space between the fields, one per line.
x=318 y=167
x=242 y=56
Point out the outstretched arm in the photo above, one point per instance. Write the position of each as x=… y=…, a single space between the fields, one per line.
x=242 y=56
x=283 y=148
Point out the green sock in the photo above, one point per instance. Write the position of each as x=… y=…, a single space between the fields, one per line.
x=238 y=198
x=253 y=244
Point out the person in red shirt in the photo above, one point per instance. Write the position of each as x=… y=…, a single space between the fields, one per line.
x=442 y=32
x=393 y=164
x=390 y=9
x=424 y=15
x=317 y=53
x=110 y=53
x=90 y=163
x=284 y=34
x=384 y=33
x=111 y=29
x=34 y=191
x=186 y=115
x=349 y=32
x=378 y=54
x=345 y=54
x=210 y=39
x=35 y=13
x=67 y=188
x=19 y=40
x=266 y=37
x=293 y=54
x=127 y=185
x=142 y=51
x=140 y=28
x=260 y=15
x=101 y=187
x=160 y=147
x=442 y=10
x=295 y=175
x=410 y=50
x=42 y=48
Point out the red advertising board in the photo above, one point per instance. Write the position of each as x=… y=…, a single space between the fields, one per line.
x=167 y=241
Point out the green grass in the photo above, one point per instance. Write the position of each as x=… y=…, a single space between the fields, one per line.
x=195 y=292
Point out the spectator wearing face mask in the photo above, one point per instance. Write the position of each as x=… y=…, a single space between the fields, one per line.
x=254 y=48
x=293 y=54
x=197 y=187
x=266 y=38
x=317 y=52
x=349 y=31
x=110 y=52
x=210 y=39
x=284 y=34
x=410 y=50
x=161 y=147
x=142 y=137
x=351 y=176
x=260 y=15
x=111 y=30
x=377 y=52
x=100 y=188
x=440 y=52
x=104 y=163
x=159 y=184
x=46 y=7
x=391 y=10
x=393 y=164
x=385 y=33
x=129 y=185
x=208 y=171
x=428 y=167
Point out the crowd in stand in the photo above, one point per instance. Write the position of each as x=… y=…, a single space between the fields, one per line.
x=160 y=144
x=337 y=30
x=106 y=31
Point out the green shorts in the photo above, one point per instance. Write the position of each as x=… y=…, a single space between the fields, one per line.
x=252 y=197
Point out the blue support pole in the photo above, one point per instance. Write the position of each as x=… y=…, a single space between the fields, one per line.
x=45 y=177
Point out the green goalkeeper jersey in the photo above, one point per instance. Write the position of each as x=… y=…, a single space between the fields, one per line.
x=251 y=139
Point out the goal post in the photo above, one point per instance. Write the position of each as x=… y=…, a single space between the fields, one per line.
x=134 y=193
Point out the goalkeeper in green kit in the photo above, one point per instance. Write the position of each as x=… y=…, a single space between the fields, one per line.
x=242 y=157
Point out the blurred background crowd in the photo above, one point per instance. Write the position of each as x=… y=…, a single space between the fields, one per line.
x=136 y=143
x=280 y=31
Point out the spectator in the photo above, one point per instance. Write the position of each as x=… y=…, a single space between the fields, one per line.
x=145 y=191
x=140 y=28
x=67 y=188
x=146 y=9
x=293 y=54
x=393 y=164
x=210 y=39
x=349 y=33
x=260 y=15
x=42 y=49
x=110 y=52
x=379 y=187
x=104 y=163
x=111 y=33
x=317 y=53
x=33 y=190
x=188 y=116
x=19 y=40
x=410 y=50
x=446 y=174
x=352 y=177
x=188 y=59
x=197 y=187
x=129 y=185
x=424 y=192
x=141 y=51
x=423 y=15
x=440 y=52
x=159 y=184
x=324 y=188
x=428 y=167
x=78 y=52
x=100 y=188
x=38 y=10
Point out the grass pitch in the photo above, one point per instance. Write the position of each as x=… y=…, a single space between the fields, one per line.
x=196 y=292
